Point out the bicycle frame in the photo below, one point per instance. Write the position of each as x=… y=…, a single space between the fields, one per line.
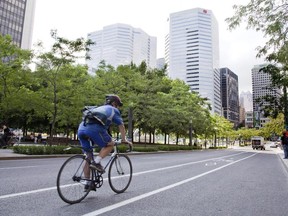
x=115 y=152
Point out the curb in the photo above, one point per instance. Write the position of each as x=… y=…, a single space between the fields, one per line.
x=20 y=157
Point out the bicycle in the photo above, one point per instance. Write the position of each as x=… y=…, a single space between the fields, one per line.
x=73 y=186
x=11 y=141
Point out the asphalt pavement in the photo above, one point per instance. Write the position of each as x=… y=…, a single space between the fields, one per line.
x=8 y=154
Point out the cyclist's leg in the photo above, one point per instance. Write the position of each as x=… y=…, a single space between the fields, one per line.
x=104 y=141
x=106 y=150
x=85 y=143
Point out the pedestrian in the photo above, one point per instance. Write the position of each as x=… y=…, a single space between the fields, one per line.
x=39 y=138
x=35 y=138
x=284 y=143
x=7 y=134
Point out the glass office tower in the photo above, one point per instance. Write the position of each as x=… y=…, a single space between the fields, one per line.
x=192 y=53
x=230 y=95
x=17 y=20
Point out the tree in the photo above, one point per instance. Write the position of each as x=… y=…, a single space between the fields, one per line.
x=273 y=127
x=52 y=69
x=15 y=81
x=278 y=71
x=269 y=17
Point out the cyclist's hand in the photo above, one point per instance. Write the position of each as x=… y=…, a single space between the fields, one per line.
x=127 y=142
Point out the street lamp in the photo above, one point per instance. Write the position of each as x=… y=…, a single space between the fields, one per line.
x=190 y=132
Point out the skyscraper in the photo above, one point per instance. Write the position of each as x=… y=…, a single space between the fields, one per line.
x=17 y=20
x=121 y=44
x=261 y=83
x=192 y=53
x=246 y=109
x=230 y=95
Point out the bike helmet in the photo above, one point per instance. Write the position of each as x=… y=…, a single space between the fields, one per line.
x=113 y=98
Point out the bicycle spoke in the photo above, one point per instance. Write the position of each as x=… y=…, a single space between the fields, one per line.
x=120 y=173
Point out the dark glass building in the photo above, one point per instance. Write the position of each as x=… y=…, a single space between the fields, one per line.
x=17 y=20
x=230 y=95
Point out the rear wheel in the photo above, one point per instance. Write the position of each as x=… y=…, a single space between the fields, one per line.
x=12 y=141
x=71 y=181
x=120 y=173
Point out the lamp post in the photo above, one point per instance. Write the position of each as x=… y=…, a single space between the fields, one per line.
x=215 y=141
x=190 y=132
x=130 y=124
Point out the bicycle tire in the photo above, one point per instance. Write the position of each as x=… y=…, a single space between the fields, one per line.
x=120 y=173
x=71 y=180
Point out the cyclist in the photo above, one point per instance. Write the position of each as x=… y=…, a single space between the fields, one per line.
x=96 y=130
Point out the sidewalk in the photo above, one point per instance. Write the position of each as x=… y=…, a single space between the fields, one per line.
x=278 y=151
x=8 y=154
x=281 y=155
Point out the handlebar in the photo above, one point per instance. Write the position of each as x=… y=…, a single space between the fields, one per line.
x=118 y=142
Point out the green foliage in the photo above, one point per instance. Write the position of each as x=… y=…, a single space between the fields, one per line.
x=267 y=16
x=45 y=150
x=15 y=79
x=58 y=75
x=218 y=147
x=145 y=149
x=54 y=150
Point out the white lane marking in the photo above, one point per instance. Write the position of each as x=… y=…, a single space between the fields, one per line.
x=134 y=199
x=185 y=164
x=27 y=192
x=134 y=174
x=23 y=167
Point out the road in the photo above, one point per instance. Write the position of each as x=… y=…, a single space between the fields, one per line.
x=204 y=183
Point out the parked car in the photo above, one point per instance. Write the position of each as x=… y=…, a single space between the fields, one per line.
x=274 y=144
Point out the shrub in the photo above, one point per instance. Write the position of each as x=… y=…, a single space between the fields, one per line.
x=58 y=149
x=145 y=149
x=40 y=150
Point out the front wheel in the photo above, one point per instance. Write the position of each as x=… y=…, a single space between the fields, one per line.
x=120 y=173
x=71 y=180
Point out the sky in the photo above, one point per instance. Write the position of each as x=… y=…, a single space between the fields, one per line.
x=76 y=18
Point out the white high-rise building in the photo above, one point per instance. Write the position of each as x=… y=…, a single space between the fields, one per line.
x=121 y=44
x=192 y=53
